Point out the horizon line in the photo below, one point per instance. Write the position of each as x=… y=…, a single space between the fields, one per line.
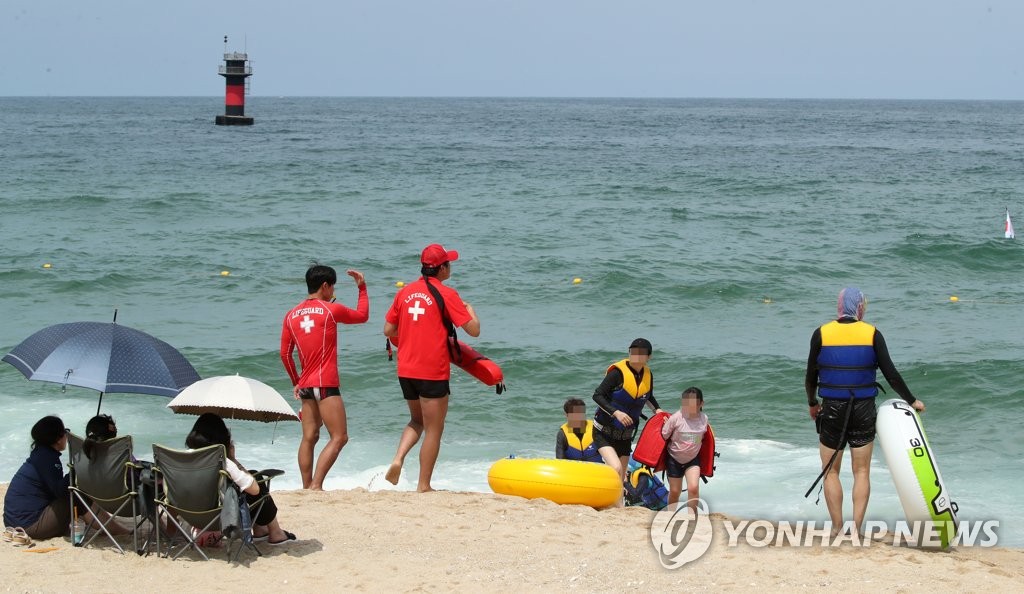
x=539 y=97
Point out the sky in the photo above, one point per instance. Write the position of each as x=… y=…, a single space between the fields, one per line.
x=888 y=49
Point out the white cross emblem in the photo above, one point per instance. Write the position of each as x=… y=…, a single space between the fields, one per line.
x=416 y=311
x=306 y=324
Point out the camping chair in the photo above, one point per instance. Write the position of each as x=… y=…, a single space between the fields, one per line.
x=193 y=486
x=106 y=482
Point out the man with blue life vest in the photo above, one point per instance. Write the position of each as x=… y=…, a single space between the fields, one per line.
x=841 y=368
x=627 y=387
x=575 y=440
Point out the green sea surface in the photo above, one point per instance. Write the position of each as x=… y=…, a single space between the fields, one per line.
x=721 y=230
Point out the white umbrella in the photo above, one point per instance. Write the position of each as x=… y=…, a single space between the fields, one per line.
x=233 y=397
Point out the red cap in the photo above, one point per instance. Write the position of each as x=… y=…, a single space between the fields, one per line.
x=435 y=255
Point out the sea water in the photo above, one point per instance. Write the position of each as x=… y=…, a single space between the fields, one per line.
x=721 y=230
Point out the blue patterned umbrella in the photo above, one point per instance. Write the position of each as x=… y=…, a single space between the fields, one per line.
x=104 y=357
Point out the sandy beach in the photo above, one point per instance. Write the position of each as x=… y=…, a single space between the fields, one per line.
x=449 y=541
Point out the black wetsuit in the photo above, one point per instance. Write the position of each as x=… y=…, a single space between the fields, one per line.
x=603 y=397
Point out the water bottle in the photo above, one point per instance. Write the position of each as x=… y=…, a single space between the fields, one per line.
x=77 y=532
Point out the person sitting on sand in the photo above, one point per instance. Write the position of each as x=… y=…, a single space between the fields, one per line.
x=575 y=439
x=684 y=431
x=209 y=429
x=37 y=497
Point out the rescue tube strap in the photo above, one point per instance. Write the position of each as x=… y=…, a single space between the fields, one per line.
x=454 y=350
x=831 y=461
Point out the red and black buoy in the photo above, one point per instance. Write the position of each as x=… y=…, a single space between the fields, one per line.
x=236 y=72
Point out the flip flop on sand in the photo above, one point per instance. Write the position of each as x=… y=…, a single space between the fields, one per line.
x=19 y=538
x=289 y=537
x=8 y=533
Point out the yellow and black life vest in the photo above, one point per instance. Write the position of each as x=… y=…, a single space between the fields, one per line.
x=581 y=448
x=630 y=398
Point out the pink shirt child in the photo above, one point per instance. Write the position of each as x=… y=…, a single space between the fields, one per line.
x=684 y=435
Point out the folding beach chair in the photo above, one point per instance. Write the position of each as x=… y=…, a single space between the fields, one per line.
x=105 y=481
x=247 y=512
x=193 y=486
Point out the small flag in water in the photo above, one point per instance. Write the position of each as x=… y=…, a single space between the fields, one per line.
x=1009 y=226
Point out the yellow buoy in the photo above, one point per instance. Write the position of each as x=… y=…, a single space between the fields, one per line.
x=47 y=265
x=954 y=299
x=577 y=280
x=225 y=273
x=399 y=284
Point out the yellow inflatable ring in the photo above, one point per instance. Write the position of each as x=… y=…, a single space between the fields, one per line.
x=561 y=481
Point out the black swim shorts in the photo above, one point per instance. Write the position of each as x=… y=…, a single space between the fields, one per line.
x=623 y=447
x=413 y=389
x=859 y=432
x=676 y=469
x=318 y=394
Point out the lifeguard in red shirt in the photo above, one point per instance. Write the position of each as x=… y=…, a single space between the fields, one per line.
x=312 y=327
x=424 y=362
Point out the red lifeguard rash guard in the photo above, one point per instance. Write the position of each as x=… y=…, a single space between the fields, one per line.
x=312 y=326
x=422 y=337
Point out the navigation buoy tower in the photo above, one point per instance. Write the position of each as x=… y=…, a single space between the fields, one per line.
x=236 y=71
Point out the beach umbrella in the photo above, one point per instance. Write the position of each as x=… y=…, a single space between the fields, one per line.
x=233 y=397
x=106 y=357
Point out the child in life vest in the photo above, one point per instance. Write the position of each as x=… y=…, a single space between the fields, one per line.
x=684 y=431
x=575 y=439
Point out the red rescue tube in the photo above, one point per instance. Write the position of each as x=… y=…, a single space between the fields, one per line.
x=707 y=453
x=472 y=362
x=479 y=366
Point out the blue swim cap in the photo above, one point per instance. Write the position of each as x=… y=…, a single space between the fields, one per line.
x=851 y=303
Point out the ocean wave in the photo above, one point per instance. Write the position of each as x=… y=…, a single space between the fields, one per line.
x=951 y=251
